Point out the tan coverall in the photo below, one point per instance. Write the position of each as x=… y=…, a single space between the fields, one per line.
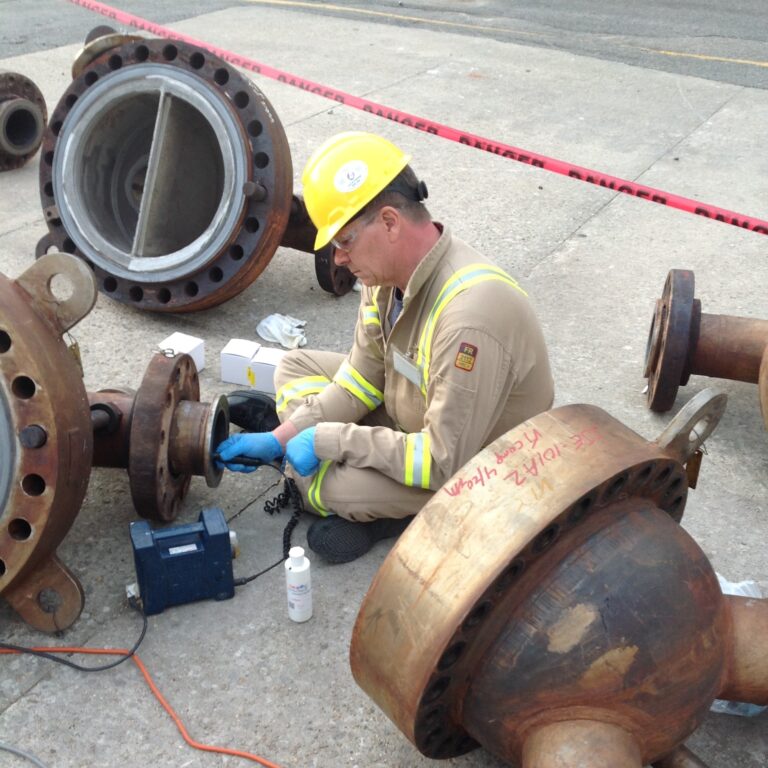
x=464 y=362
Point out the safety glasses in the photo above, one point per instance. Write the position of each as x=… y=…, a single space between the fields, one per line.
x=344 y=243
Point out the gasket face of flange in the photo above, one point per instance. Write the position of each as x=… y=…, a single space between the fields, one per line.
x=156 y=488
x=669 y=339
x=22 y=122
x=433 y=597
x=169 y=173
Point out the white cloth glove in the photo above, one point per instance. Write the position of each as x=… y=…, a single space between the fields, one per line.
x=284 y=330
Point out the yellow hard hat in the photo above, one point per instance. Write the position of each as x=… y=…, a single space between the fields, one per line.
x=343 y=175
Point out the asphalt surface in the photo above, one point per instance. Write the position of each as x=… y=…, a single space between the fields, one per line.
x=727 y=43
x=547 y=79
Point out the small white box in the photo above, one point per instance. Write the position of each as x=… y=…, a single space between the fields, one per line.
x=263 y=365
x=190 y=345
x=235 y=361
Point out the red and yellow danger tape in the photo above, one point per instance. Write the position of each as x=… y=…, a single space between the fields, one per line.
x=444 y=131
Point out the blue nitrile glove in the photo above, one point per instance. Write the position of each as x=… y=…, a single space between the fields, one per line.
x=300 y=451
x=263 y=446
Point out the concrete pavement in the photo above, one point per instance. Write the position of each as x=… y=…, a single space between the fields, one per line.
x=239 y=673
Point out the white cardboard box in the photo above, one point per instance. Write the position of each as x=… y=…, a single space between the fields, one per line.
x=263 y=365
x=236 y=361
x=190 y=345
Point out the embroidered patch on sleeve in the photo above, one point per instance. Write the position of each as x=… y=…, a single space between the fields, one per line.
x=465 y=359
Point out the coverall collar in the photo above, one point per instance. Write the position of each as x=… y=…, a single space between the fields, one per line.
x=427 y=265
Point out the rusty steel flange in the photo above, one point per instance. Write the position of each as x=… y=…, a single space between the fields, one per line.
x=546 y=602
x=667 y=346
x=684 y=341
x=22 y=119
x=300 y=234
x=168 y=172
x=161 y=434
x=46 y=437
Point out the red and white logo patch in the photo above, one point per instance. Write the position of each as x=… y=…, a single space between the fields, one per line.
x=465 y=359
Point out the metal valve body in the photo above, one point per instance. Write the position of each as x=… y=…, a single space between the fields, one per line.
x=170 y=174
x=167 y=171
x=547 y=605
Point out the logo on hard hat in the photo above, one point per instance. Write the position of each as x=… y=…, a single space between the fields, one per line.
x=350 y=176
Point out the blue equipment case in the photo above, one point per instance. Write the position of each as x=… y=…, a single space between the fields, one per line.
x=183 y=563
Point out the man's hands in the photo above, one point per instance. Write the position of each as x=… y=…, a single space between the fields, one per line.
x=263 y=446
x=300 y=451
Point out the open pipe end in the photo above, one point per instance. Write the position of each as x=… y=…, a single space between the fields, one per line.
x=22 y=123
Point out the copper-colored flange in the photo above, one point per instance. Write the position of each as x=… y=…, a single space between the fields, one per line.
x=46 y=436
x=683 y=341
x=547 y=602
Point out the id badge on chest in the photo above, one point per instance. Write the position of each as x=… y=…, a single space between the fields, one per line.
x=406 y=367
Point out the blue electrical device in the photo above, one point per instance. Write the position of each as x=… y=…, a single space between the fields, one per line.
x=183 y=563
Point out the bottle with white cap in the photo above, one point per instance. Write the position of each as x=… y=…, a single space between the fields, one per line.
x=298 y=583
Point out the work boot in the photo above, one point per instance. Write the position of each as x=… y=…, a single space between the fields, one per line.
x=340 y=541
x=252 y=411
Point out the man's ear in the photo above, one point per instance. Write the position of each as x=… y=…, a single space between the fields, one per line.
x=392 y=221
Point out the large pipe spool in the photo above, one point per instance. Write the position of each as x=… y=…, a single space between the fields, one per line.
x=22 y=119
x=684 y=341
x=52 y=432
x=169 y=173
x=161 y=434
x=547 y=605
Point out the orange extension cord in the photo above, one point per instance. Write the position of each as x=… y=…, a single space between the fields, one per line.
x=166 y=706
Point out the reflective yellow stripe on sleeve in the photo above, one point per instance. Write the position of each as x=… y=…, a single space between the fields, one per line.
x=371 y=316
x=299 y=388
x=458 y=282
x=418 y=460
x=371 y=311
x=313 y=494
x=356 y=384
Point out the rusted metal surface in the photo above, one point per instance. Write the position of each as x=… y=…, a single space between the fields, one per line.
x=167 y=171
x=747 y=673
x=45 y=437
x=546 y=602
x=684 y=341
x=300 y=234
x=52 y=432
x=668 y=339
x=22 y=119
x=581 y=743
x=162 y=435
x=99 y=40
